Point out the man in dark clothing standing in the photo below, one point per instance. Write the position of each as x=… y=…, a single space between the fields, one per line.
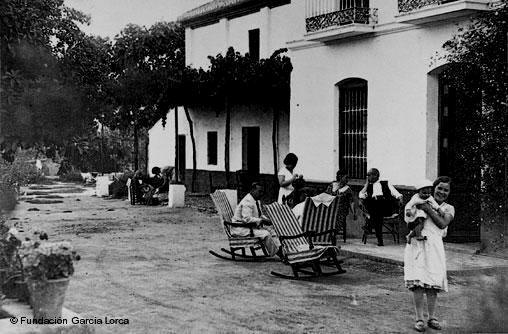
x=378 y=198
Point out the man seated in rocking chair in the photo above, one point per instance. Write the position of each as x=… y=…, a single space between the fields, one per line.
x=248 y=211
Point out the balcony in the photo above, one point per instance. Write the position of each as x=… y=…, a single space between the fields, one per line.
x=425 y=11
x=327 y=20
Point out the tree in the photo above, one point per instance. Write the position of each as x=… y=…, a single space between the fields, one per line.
x=236 y=78
x=480 y=50
x=275 y=74
x=144 y=63
x=42 y=97
x=192 y=83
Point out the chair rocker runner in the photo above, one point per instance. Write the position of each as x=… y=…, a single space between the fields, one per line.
x=238 y=246
x=298 y=250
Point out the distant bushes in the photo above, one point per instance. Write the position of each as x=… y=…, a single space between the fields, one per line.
x=13 y=175
x=71 y=176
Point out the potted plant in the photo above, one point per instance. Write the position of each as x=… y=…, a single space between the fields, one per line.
x=11 y=275
x=47 y=267
x=5 y=254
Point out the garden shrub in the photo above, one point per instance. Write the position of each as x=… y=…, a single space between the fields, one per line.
x=13 y=175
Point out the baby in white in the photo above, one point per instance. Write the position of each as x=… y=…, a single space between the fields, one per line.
x=415 y=217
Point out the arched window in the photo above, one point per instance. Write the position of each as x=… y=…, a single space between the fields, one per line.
x=353 y=127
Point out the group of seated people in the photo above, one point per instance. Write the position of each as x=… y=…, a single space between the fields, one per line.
x=152 y=190
x=376 y=200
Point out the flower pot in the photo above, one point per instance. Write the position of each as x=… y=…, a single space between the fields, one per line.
x=176 y=195
x=21 y=291
x=15 y=288
x=3 y=276
x=8 y=288
x=48 y=297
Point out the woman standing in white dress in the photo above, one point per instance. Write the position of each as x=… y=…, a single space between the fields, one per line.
x=425 y=263
x=287 y=176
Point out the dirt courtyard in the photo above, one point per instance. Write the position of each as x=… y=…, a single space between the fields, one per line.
x=151 y=265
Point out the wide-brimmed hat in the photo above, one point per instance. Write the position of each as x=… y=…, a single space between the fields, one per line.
x=423 y=184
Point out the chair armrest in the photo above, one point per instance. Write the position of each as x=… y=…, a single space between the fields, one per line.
x=331 y=231
x=301 y=235
x=307 y=235
x=250 y=226
x=246 y=225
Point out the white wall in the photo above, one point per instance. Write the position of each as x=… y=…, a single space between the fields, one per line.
x=205 y=41
x=276 y=27
x=395 y=60
x=395 y=66
x=162 y=147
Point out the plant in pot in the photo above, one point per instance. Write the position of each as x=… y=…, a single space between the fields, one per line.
x=11 y=275
x=12 y=280
x=47 y=267
x=5 y=255
x=6 y=250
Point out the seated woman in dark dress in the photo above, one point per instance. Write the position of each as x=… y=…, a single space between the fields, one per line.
x=162 y=190
x=340 y=188
x=156 y=180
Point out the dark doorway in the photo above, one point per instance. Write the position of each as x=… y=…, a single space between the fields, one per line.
x=459 y=155
x=250 y=149
x=254 y=44
x=181 y=157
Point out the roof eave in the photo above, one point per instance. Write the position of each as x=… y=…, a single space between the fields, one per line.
x=229 y=12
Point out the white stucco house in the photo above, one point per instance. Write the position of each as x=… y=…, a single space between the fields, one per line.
x=366 y=90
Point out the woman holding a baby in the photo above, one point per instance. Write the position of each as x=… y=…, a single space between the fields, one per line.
x=424 y=256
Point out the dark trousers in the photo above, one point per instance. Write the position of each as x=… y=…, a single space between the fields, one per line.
x=377 y=223
x=377 y=210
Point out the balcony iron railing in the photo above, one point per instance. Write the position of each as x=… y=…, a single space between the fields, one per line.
x=406 y=6
x=342 y=17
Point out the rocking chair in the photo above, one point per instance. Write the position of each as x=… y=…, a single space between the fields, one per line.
x=298 y=250
x=321 y=219
x=237 y=245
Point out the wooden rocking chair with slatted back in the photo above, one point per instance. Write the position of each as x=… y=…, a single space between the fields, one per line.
x=238 y=246
x=298 y=250
x=323 y=220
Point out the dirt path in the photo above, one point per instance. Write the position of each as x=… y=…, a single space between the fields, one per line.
x=151 y=265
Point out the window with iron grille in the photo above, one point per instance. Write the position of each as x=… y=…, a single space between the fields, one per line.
x=353 y=127
x=346 y=4
x=319 y=7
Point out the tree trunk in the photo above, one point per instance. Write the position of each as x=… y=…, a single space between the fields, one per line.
x=102 y=147
x=193 y=140
x=226 y=141
x=177 y=162
x=275 y=146
x=136 y=148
